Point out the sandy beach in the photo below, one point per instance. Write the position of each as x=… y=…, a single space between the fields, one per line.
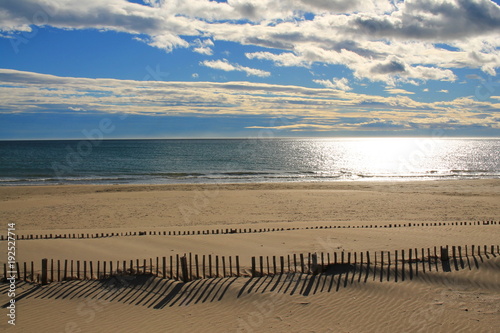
x=460 y=300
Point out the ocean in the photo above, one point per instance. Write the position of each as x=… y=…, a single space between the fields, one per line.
x=246 y=160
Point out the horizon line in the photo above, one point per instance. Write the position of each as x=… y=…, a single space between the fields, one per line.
x=259 y=138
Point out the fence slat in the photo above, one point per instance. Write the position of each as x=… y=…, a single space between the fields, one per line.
x=51 y=268
x=203 y=266
x=237 y=266
x=210 y=269
x=217 y=265
x=185 y=276
x=253 y=267
x=197 y=267
x=164 y=262
x=44 y=271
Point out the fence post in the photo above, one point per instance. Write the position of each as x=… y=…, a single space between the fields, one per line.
x=302 y=263
x=217 y=264
x=223 y=266
x=164 y=262
x=91 y=270
x=403 y=265
x=177 y=267
x=261 y=261
x=204 y=266
x=237 y=266
x=444 y=254
x=396 y=266
x=423 y=261
x=381 y=265
x=253 y=267
x=44 y=271
x=445 y=259
x=171 y=267
x=454 y=253
x=436 y=260
x=460 y=256
x=185 y=276
x=210 y=266
x=190 y=266
x=230 y=266
x=410 y=264
x=388 y=264
x=51 y=268
x=314 y=264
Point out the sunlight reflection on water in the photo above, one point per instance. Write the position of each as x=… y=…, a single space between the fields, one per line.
x=249 y=160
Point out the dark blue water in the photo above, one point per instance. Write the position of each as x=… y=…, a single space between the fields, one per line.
x=245 y=160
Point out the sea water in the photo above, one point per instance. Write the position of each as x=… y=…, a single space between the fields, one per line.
x=246 y=160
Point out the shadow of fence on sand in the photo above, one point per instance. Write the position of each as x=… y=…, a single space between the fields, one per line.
x=152 y=292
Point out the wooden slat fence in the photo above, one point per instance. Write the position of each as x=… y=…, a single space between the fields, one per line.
x=226 y=231
x=386 y=265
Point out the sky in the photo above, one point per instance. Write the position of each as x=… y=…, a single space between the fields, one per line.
x=248 y=68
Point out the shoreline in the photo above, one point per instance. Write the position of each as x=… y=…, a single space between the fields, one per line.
x=229 y=181
x=270 y=183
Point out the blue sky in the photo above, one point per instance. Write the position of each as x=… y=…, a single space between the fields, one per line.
x=246 y=68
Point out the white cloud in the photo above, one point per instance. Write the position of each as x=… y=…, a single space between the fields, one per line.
x=378 y=40
x=167 y=42
x=286 y=59
x=443 y=91
x=315 y=109
x=224 y=65
x=395 y=91
x=297 y=127
x=340 y=84
x=203 y=46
